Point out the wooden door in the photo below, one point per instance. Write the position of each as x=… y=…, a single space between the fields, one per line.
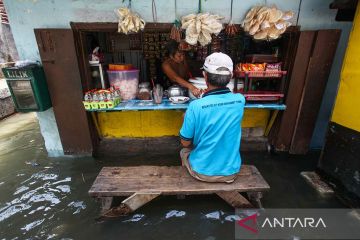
x=58 y=56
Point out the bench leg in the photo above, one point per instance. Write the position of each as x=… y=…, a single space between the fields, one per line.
x=130 y=204
x=235 y=199
x=255 y=198
x=105 y=203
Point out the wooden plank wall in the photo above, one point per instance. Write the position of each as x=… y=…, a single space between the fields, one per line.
x=316 y=79
x=297 y=82
x=314 y=57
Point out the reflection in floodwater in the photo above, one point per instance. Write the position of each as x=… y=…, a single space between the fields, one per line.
x=30 y=226
x=175 y=213
x=40 y=193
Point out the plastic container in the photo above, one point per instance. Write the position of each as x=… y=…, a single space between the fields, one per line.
x=126 y=81
x=144 y=91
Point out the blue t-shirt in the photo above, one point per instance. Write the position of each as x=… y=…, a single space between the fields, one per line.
x=213 y=124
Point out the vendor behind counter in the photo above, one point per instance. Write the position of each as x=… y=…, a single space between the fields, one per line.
x=176 y=68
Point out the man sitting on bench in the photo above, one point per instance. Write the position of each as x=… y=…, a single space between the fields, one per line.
x=211 y=130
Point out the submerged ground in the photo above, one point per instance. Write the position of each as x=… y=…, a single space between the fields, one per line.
x=46 y=198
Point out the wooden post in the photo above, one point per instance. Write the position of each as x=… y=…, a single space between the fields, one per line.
x=271 y=122
x=105 y=204
x=254 y=198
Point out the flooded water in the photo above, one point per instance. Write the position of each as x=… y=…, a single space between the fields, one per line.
x=46 y=198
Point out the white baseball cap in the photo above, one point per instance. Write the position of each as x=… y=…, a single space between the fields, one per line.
x=217 y=60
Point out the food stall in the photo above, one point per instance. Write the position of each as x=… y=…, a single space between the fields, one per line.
x=97 y=56
x=131 y=66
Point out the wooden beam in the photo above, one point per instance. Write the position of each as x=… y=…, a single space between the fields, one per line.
x=317 y=183
x=130 y=204
x=157 y=26
x=94 y=26
x=138 y=199
x=235 y=199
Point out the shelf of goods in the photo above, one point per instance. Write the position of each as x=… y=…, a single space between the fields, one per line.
x=255 y=95
x=135 y=105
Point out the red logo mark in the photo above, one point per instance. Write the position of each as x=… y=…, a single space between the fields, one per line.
x=251 y=218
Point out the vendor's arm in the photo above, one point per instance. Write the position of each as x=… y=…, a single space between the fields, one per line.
x=176 y=78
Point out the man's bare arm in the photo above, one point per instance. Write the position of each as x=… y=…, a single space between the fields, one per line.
x=186 y=144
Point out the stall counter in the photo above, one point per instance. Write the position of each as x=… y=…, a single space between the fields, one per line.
x=139 y=119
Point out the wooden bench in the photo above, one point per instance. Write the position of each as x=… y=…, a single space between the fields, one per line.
x=144 y=183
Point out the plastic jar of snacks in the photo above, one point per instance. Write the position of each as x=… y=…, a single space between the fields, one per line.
x=126 y=81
